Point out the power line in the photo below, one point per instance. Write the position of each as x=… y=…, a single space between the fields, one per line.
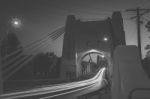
x=139 y=12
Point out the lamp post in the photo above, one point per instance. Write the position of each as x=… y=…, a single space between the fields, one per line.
x=15 y=23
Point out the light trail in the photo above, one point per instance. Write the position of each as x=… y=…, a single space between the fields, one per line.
x=61 y=89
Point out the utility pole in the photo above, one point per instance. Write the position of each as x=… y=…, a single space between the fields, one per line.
x=138 y=17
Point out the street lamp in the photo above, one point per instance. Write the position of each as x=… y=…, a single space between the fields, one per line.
x=16 y=23
x=13 y=25
x=105 y=39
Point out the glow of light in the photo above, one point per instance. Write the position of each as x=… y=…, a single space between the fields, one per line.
x=16 y=22
x=97 y=81
x=105 y=39
x=93 y=55
x=92 y=50
x=102 y=56
x=95 y=51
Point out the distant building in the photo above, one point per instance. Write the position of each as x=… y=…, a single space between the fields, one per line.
x=80 y=36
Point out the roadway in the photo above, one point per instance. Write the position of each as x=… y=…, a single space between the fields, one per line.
x=64 y=90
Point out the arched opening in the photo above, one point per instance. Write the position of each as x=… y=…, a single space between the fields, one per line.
x=90 y=62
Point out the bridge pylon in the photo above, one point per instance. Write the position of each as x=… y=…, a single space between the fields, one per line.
x=82 y=36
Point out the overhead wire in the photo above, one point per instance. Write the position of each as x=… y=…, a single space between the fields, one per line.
x=56 y=34
x=20 y=55
x=33 y=43
x=14 y=67
x=31 y=51
x=22 y=59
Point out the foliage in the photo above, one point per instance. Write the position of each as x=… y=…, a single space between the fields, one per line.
x=9 y=44
x=44 y=63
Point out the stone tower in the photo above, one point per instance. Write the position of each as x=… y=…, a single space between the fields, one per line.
x=82 y=36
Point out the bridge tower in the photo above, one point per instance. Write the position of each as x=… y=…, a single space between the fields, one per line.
x=82 y=36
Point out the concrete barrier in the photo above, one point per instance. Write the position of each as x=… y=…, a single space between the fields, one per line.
x=129 y=80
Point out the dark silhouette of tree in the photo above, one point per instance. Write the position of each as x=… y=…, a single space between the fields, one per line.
x=146 y=60
x=10 y=44
x=147 y=47
x=44 y=63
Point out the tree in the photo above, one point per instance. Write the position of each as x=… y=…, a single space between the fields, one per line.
x=147 y=47
x=146 y=60
x=9 y=44
x=148 y=52
x=42 y=63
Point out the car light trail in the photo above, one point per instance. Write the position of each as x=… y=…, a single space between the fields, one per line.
x=78 y=85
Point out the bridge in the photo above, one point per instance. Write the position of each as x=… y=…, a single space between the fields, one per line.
x=95 y=61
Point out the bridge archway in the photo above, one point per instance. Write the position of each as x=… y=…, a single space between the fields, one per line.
x=90 y=61
x=81 y=36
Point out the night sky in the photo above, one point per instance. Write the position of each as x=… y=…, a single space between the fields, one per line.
x=40 y=17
